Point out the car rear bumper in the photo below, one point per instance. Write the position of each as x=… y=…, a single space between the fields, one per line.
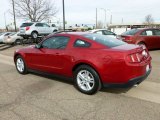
x=130 y=83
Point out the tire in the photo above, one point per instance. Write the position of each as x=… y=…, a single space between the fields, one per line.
x=142 y=44
x=87 y=80
x=18 y=42
x=21 y=65
x=34 y=35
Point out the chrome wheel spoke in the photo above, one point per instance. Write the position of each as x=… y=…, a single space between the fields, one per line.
x=85 y=80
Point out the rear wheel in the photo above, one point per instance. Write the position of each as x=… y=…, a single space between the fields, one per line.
x=17 y=42
x=21 y=65
x=87 y=80
x=142 y=44
x=34 y=35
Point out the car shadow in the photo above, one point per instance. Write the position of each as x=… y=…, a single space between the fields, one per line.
x=115 y=90
x=154 y=49
x=53 y=77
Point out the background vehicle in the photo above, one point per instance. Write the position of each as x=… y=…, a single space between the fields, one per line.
x=104 y=32
x=13 y=38
x=93 y=60
x=35 y=29
x=3 y=35
x=149 y=37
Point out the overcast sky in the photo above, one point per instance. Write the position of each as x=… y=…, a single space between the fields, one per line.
x=84 y=11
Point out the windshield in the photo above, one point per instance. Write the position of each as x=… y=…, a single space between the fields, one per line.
x=26 y=24
x=131 y=32
x=107 y=41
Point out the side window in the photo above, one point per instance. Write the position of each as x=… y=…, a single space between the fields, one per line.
x=99 y=32
x=147 y=33
x=105 y=32
x=39 y=25
x=81 y=43
x=45 y=25
x=59 y=42
x=144 y=33
x=156 y=32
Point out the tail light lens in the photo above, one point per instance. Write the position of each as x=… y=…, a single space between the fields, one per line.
x=27 y=28
x=138 y=57
x=127 y=38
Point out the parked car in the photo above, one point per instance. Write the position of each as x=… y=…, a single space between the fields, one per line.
x=92 y=60
x=104 y=32
x=148 y=37
x=3 y=35
x=35 y=29
x=13 y=38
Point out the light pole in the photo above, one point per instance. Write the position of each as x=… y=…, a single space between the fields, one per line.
x=105 y=23
x=14 y=15
x=63 y=15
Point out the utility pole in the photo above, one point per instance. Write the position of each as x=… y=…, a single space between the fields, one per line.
x=96 y=19
x=5 y=20
x=14 y=15
x=63 y=15
x=105 y=22
x=111 y=20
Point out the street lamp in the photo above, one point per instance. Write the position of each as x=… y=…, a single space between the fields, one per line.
x=105 y=10
x=63 y=15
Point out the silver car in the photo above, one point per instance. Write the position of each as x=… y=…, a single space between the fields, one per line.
x=104 y=32
x=13 y=38
x=3 y=35
x=35 y=29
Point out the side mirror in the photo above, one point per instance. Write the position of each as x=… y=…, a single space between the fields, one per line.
x=38 y=46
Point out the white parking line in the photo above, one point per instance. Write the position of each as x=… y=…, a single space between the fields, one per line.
x=149 y=91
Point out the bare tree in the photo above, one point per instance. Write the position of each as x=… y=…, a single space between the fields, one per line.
x=149 y=20
x=35 y=10
x=99 y=25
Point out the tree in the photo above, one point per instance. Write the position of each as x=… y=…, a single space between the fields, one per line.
x=35 y=10
x=149 y=20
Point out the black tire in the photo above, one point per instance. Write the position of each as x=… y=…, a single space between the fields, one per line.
x=34 y=35
x=142 y=44
x=25 y=70
x=25 y=37
x=97 y=83
x=55 y=31
x=18 y=42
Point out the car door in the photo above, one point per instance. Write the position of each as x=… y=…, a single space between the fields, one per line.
x=50 y=57
x=47 y=28
x=39 y=28
x=149 y=38
x=156 y=33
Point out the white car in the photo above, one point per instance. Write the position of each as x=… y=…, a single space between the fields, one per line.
x=3 y=35
x=35 y=29
x=104 y=32
x=13 y=38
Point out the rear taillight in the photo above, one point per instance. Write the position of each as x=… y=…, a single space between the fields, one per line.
x=127 y=38
x=138 y=57
x=27 y=28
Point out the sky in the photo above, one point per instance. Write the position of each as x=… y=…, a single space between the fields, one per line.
x=84 y=11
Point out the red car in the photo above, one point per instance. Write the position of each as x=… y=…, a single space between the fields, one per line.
x=149 y=37
x=92 y=60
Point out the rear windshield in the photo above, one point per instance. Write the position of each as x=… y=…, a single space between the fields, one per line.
x=26 y=24
x=107 y=41
x=131 y=32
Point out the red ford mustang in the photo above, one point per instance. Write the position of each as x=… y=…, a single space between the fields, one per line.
x=92 y=60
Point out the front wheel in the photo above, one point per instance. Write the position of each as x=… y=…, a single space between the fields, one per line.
x=87 y=80
x=21 y=65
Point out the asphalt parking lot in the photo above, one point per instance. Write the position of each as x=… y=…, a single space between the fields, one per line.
x=38 y=97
